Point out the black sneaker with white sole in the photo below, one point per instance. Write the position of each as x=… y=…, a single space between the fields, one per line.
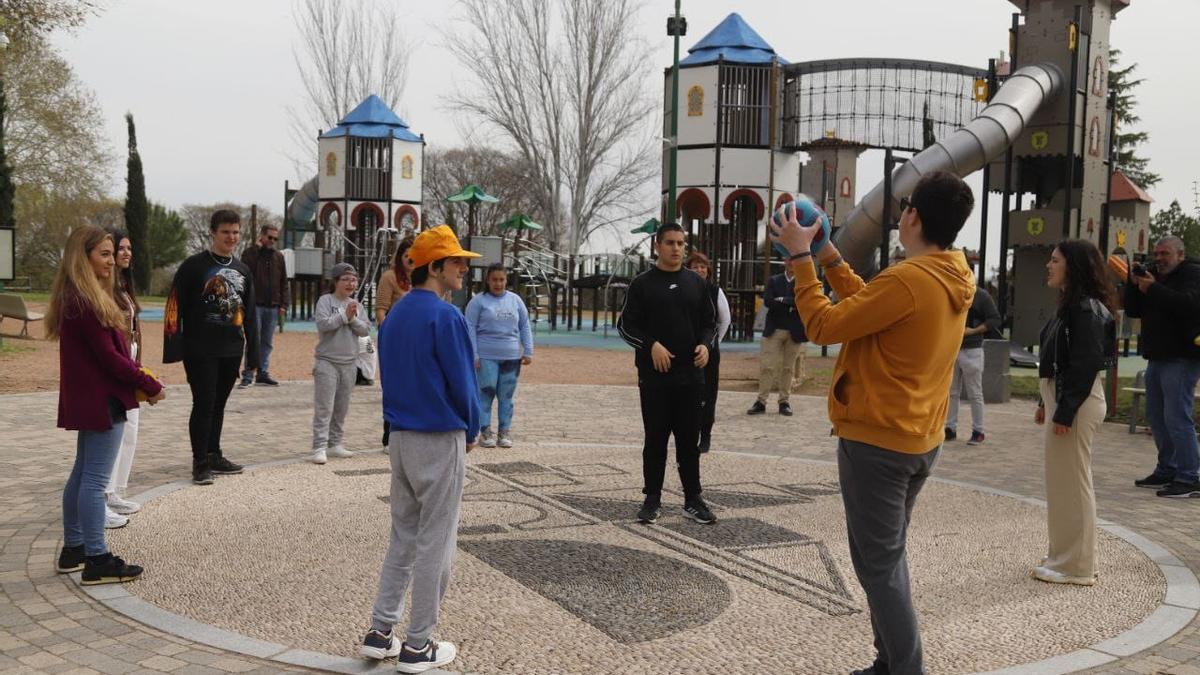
x=70 y=559
x=202 y=477
x=650 y=511
x=221 y=466
x=698 y=511
x=433 y=655
x=108 y=569
x=1152 y=482
x=379 y=645
x=1180 y=490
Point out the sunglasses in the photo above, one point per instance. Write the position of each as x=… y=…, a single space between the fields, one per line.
x=270 y=238
x=905 y=204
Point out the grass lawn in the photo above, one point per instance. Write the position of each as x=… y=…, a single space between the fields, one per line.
x=8 y=348
x=42 y=297
x=1027 y=388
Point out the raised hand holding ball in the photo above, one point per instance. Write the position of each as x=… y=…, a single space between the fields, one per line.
x=810 y=222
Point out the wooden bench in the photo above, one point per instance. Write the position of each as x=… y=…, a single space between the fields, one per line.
x=1139 y=390
x=13 y=307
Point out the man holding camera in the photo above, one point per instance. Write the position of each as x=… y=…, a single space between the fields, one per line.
x=1167 y=298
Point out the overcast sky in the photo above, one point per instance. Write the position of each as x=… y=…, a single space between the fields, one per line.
x=209 y=80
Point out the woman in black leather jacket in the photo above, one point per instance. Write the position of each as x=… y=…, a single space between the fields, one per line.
x=1076 y=345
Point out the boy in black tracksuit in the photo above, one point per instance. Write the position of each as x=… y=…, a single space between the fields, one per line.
x=670 y=321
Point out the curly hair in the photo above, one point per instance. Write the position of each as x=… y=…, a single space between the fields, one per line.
x=398 y=268
x=1087 y=276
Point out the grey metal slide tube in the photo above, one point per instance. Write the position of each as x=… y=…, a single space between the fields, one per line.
x=304 y=203
x=963 y=152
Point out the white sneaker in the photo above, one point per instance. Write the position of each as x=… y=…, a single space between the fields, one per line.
x=114 y=521
x=1055 y=577
x=486 y=439
x=117 y=504
x=317 y=457
x=340 y=451
x=505 y=441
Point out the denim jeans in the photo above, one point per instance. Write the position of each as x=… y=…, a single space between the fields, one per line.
x=1170 y=386
x=497 y=380
x=83 y=497
x=267 y=318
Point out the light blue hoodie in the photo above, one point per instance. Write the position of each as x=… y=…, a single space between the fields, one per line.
x=499 y=327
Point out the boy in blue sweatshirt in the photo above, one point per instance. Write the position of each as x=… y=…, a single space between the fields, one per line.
x=431 y=405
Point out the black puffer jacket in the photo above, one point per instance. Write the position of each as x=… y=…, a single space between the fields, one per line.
x=1073 y=350
x=1170 y=313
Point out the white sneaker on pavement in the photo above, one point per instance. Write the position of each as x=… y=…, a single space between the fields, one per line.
x=117 y=504
x=113 y=521
x=340 y=451
x=505 y=441
x=317 y=457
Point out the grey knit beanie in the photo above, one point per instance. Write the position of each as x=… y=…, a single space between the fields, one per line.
x=341 y=269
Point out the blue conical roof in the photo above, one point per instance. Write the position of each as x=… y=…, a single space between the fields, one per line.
x=373 y=119
x=734 y=40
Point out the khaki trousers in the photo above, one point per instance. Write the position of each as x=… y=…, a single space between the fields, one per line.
x=1070 y=500
x=777 y=363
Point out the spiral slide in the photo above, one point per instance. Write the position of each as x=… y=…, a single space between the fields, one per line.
x=304 y=203
x=963 y=152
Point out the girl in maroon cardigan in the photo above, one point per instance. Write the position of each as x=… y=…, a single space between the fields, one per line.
x=97 y=384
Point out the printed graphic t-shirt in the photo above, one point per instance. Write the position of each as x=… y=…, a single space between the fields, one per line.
x=206 y=312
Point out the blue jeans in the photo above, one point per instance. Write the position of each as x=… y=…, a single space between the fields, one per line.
x=497 y=379
x=83 y=497
x=1170 y=386
x=267 y=318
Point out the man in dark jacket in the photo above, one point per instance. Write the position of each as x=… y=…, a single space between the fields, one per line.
x=670 y=321
x=982 y=318
x=271 y=283
x=1167 y=299
x=783 y=343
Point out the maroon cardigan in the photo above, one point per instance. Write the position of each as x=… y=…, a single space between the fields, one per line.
x=94 y=366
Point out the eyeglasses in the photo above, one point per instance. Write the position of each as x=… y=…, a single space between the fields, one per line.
x=905 y=204
x=270 y=238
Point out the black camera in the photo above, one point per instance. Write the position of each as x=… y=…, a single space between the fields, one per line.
x=1139 y=271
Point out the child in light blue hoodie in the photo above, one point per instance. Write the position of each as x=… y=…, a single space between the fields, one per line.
x=503 y=342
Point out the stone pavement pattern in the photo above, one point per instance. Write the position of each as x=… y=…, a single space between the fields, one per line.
x=47 y=625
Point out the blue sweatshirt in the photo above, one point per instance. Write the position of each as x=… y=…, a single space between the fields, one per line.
x=428 y=367
x=499 y=327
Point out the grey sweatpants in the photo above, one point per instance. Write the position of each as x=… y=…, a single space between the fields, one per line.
x=332 y=385
x=427 y=485
x=968 y=373
x=879 y=489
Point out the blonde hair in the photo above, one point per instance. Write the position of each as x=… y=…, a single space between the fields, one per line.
x=76 y=285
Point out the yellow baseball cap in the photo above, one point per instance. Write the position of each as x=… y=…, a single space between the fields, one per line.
x=435 y=244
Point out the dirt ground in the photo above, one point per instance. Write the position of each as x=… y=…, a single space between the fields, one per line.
x=31 y=364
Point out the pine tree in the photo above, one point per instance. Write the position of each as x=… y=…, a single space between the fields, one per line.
x=7 y=189
x=1122 y=82
x=136 y=212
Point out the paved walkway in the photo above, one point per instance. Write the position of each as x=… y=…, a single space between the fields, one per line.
x=48 y=625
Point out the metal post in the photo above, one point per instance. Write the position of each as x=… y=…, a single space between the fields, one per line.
x=1110 y=162
x=676 y=30
x=1002 y=276
x=885 y=229
x=1072 y=104
x=981 y=278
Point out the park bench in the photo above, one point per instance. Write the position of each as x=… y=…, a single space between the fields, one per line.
x=13 y=307
x=1139 y=390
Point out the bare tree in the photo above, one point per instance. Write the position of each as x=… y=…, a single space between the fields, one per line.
x=197 y=217
x=501 y=174
x=564 y=84
x=345 y=51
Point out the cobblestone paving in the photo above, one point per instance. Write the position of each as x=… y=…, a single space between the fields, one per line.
x=47 y=625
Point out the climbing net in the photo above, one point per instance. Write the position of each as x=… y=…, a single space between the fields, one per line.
x=881 y=103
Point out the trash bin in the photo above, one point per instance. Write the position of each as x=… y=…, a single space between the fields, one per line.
x=997 y=387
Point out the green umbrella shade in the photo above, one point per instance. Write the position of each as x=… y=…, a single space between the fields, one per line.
x=520 y=221
x=472 y=193
x=648 y=227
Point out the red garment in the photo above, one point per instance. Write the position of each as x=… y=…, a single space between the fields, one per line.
x=94 y=366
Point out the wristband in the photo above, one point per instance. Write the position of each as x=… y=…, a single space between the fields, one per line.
x=800 y=256
x=836 y=261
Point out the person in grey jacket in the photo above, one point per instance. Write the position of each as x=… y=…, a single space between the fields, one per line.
x=340 y=323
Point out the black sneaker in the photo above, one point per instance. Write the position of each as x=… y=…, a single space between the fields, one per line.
x=245 y=383
x=70 y=560
x=379 y=645
x=950 y=435
x=1179 y=490
x=705 y=444
x=977 y=438
x=650 y=511
x=433 y=655
x=785 y=408
x=698 y=511
x=108 y=569
x=202 y=477
x=877 y=668
x=267 y=380
x=757 y=409
x=1153 y=482
x=222 y=466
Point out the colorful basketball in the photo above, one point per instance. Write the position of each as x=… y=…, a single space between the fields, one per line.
x=808 y=213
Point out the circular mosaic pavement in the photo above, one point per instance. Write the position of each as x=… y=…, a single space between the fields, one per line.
x=553 y=576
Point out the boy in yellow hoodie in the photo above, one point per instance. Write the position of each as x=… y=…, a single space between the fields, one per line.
x=900 y=336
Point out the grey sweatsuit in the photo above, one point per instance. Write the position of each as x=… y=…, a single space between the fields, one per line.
x=333 y=367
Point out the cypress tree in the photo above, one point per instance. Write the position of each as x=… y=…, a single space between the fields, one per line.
x=137 y=212
x=7 y=189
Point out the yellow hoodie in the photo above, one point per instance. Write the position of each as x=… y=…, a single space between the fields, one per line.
x=900 y=336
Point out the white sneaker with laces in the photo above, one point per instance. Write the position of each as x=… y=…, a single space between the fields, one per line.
x=505 y=441
x=317 y=457
x=114 y=521
x=486 y=439
x=117 y=504
x=340 y=451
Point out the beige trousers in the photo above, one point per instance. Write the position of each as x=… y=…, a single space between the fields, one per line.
x=777 y=363
x=1070 y=500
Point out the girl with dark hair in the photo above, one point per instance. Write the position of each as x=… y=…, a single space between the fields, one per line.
x=119 y=508
x=98 y=381
x=1076 y=344
x=502 y=339
x=700 y=264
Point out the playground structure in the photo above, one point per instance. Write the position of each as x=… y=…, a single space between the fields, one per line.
x=1038 y=126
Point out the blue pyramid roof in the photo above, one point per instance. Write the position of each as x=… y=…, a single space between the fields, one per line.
x=372 y=119
x=734 y=40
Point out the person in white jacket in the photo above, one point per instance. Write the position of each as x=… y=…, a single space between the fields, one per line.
x=340 y=322
x=701 y=265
